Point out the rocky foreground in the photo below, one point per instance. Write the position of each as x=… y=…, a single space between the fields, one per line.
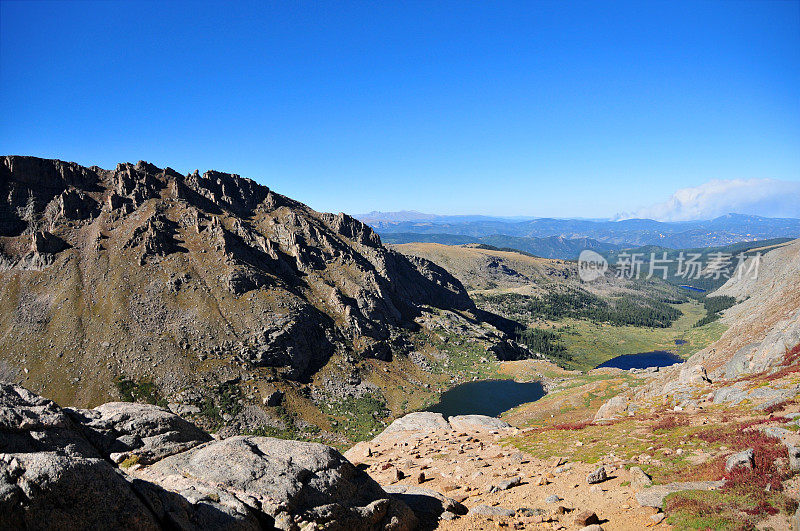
x=138 y=466
x=132 y=466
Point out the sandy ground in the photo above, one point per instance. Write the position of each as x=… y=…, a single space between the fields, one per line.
x=463 y=466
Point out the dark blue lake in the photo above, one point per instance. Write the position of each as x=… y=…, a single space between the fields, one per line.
x=642 y=360
x=693 y=288
x=487 y=397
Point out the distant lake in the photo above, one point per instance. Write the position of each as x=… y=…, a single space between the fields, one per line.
x=642 y=360
x=693 y=288
x=487 y=397
x=680 y=341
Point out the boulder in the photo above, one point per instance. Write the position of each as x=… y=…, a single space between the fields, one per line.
x=506 y=484
x=286 y=481
x=427 y=504
x=654 y=496
x=477 y=423
x=51 y=477
x=422 y=421
x=613 y=407
x=794 y=457
x=639 y=478
x=143 y=431
x=488 y=510
x=740 y=459
x=585 y=518
x=598 y=476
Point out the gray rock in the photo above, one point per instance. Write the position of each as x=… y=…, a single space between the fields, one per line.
x=145 y=431
x=598 y=476
x=654 y=496
x=487 y=510
x=553 y=498
x=639 y=478
x=51 y=477
x=593 y=527
x=740 y=459
x=506 y=484
x=658 y=518
x=613 y=407
x=284 y=480
x=794 y=457
x=477 y=423
x=424 y=421
x=731 y=394
x=427 y=504
x=774 y=431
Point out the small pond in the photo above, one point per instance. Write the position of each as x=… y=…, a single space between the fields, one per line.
x=487 y=397
x=642 y=360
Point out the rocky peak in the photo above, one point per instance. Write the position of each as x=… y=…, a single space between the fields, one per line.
x=147 y=273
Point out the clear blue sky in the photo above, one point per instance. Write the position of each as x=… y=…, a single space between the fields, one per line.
x=530 y=108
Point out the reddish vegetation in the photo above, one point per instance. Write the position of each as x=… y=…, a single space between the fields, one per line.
x=791 y=365
x=573 y=426
x=670 y=422
x=777 y=407
x=711 y=470
x=792 y=356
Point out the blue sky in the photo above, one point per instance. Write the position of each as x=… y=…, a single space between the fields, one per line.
x=530 y=108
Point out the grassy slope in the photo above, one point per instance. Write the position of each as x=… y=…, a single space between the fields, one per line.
x=592 y=344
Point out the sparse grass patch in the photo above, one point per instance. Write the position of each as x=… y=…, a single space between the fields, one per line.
x=141 y=391
x=129 y=461
x=358 y=419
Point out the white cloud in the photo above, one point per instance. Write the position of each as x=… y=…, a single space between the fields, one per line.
x=761 y=197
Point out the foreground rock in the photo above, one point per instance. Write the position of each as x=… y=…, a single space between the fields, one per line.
x=147 y=433
x=53 y=475
x=52 y=478
x=654 y=496
x=428 y=504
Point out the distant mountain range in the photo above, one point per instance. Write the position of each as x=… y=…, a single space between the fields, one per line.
x=527 y=234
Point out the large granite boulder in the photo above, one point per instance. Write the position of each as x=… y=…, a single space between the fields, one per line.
x=477 y=423
x=424 y=421
x=288 y=482
x=56 y=473
x=141 y=431
x=52 y=478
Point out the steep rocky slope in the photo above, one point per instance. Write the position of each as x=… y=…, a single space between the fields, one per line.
x=764 y=329
x=186 y=283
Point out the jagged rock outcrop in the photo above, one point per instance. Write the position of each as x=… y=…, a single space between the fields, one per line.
x=54 y=475
x=145 y=433
x=189 y=281
x=51 y=477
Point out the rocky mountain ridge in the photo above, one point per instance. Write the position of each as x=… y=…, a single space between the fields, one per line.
x=191 y=282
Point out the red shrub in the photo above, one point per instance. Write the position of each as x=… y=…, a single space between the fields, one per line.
x=572 y=426
x=777 y=407
x=670 y=422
